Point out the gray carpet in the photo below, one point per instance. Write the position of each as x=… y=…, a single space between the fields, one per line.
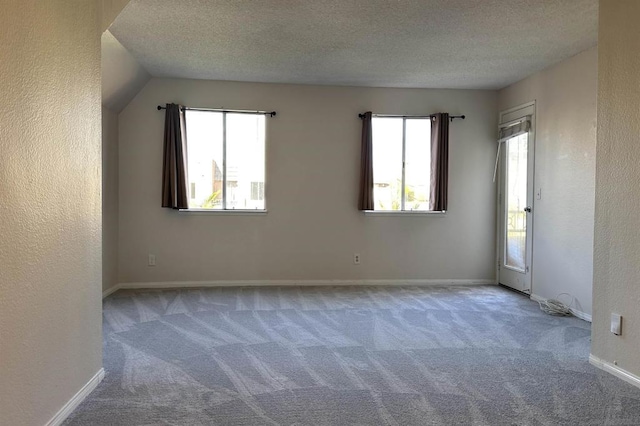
x=457 y=355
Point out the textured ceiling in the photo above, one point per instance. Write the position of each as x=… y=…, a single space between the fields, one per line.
x=485 y=44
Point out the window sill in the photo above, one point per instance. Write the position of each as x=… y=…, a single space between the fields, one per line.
x=404 y=213
x=229 y=212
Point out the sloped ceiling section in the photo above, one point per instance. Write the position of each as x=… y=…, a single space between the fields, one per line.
x=122 y=74
x=111 y=9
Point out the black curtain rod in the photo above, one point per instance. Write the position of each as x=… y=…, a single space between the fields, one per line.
x=451 y=117
x=235 y=111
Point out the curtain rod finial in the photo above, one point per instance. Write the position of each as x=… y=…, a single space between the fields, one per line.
x=159 y=107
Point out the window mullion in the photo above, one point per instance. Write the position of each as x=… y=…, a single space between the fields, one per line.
x=404 y=139
x=224 y=160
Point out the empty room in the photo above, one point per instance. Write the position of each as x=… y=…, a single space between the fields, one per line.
x=357 y=212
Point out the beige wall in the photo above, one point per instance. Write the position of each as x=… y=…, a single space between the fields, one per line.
x=313 y=227
x=50 y=256
x=122 y=75
x=109 y=198
x=617 y=218
x=565 y=138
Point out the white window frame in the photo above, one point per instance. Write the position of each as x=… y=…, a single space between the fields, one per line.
x=224 y=210
x=402 y=211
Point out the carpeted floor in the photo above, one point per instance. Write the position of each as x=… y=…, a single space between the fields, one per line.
x=457 y=355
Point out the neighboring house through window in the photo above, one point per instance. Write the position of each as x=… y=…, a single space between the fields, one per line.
x=401 y=163
x=226 y=159
x=257 y=190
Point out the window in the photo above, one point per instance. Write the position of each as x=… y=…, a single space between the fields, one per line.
x=401 y=163
x=226 y=160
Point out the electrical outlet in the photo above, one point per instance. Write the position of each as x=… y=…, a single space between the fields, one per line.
x=616 y=324
x=152 y=260
x=356 y=259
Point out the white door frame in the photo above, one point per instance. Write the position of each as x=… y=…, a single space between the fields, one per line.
x=506 y=116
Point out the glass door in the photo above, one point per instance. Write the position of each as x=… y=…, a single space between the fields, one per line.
x=516 y=203
x=515 y=207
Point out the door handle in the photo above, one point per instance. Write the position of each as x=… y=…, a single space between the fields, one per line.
x=527 y=209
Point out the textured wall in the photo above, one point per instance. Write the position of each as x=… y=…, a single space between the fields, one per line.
x=617 y=231
x=109 y=198
x=565 y=137
x=313 y=227
x=50 y=266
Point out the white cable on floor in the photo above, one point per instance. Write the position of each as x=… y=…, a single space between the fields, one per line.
x=555 y=307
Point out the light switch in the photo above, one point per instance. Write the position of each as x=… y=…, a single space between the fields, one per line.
x=616 y=324
x=539 y=194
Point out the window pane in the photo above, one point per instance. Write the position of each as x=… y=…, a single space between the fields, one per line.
x=417 y=164
x=516 y=235
x=387 y=163
x=204 y=157
x=245 y=161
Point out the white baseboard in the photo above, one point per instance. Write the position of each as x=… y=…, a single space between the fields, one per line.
x=71 y=405
x=284 y=283
x=576 y=313
x=615 y=370
x=110 y=290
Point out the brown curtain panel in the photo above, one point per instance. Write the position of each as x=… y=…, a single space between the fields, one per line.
x=439 y=162
x=174 y=166
x=365 y=201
